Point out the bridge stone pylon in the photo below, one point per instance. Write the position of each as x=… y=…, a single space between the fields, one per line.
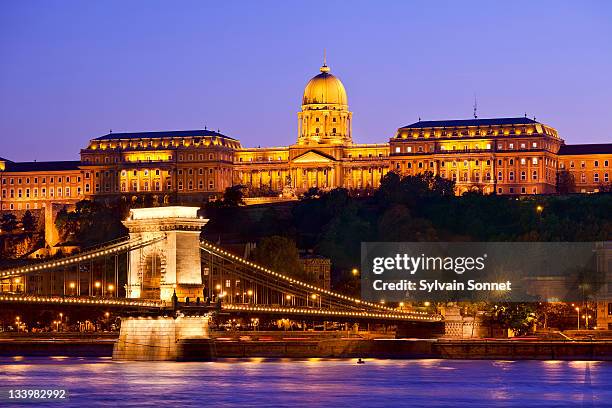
x=170 y=264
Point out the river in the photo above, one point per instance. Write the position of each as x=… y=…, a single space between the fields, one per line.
x=313 y=382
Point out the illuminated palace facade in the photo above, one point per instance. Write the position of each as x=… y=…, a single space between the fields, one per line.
x=505 y=156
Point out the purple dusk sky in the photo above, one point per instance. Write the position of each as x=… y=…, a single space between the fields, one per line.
x=72 y=70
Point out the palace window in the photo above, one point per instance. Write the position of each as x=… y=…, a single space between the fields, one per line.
x=523 y=175
x=523 y=190
x=596 y=163
x=511 y=176
x=606 y=177
x=500 y=176
x=583 y=178
x=499 y=162
x=190 y=185
x=512 y=162
x=534 y=175
x=523 y=161
x=605 y=163
x=180 y=185
x=211 y=184
x=534 y=160
x=534 y=145
x=582 y=164
x=572 y=164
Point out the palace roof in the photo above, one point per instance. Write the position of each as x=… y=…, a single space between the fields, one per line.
x=42 y=166
x=470 y=122
x=595 y=148
x=159 y=135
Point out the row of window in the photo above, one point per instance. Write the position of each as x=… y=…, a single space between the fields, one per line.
x=28 y=193
x=148 y=158
x=43 y=180
x=606 y=163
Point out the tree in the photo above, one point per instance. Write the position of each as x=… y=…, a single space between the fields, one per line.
x=555 y=314
x=565 y=182
x=280 y=254
x=233 y=196
x=520 y=317
x=397 y=225
x=311 y=193
x=28 y=222
x=9 y=222
x=92 y=222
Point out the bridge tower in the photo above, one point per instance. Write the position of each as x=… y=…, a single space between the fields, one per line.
x=171 y=264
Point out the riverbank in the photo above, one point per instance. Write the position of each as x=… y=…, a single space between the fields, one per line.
x=337 y=347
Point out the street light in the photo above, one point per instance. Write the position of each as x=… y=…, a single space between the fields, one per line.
x=355 y=271
x=111 y=288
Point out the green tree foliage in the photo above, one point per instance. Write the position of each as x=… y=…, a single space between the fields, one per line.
x=279 y=254
x=397 y=225
x=28 y=222
x=556 y=315
x=565 y=182
x=9 y=222
x=92 y=222
x=233 y=196
x=520 y=317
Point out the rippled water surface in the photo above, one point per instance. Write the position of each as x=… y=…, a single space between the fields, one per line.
x=315 y=382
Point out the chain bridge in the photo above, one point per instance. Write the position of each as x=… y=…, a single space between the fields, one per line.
x=163 y=264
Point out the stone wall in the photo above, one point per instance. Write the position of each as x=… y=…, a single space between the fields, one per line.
x=158 y=338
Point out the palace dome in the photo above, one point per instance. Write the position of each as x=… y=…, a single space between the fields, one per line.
x=325 y=89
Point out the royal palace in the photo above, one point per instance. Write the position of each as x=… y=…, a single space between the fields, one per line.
x=504 y=156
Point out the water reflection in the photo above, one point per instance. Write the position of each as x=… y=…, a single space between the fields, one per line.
x=319 y=382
